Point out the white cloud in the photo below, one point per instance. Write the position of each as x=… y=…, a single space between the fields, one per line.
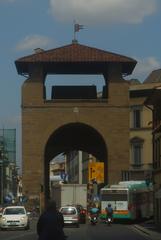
x=33 y=41
x=145 y=66
x=103 y=11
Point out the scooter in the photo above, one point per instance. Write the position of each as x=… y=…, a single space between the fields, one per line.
x=93 y=219
x=109 y=221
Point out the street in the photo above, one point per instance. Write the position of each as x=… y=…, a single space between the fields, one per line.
x=85 y=232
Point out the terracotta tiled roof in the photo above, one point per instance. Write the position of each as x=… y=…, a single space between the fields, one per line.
x=74 y=53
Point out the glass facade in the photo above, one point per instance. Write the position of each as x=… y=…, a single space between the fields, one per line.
x=8 y=144
x=8 y=171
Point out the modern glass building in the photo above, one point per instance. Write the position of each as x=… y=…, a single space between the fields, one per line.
x=8 y=168
x=8 y=144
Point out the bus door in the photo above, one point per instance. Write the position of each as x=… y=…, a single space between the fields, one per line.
x=121 y=204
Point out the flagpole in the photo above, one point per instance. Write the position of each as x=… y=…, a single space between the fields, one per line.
x=74 y=31
x=77 y=27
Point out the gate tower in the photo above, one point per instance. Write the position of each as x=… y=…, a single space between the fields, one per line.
x=75 y=118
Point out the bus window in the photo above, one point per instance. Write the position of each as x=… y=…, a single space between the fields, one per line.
x=114 y=197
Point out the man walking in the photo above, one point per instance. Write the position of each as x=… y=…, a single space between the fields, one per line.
x=50 y=224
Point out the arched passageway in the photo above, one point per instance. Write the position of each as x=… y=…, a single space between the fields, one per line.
x=74 y=136
x=50 y=127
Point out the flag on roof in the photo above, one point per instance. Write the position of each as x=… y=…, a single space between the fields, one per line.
x=77 y=27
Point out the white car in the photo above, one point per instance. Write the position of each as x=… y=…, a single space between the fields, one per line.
x=70 y=215
x=14 y=217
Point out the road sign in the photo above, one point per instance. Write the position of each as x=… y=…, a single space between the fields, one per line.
x=96 y=171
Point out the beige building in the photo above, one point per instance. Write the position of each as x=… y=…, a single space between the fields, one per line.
x=141 y=124
x=141 y=156
x=57 y=167
x=153 y=102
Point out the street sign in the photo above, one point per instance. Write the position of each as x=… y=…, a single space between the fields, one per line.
x=96 y=171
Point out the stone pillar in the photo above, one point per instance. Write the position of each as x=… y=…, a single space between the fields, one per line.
x=32 y=151
x=118 y=88
x=118 y=103
x=33 y=90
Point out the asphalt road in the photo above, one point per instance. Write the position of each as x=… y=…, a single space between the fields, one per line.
x=85 y=232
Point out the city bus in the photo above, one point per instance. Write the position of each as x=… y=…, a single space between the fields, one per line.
x=129 y=199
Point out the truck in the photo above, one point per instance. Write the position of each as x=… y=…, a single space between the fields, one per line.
x=67 y=194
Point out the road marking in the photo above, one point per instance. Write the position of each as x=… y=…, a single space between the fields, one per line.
x=143 y=233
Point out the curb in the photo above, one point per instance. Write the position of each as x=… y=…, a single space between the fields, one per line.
x=142 y=229
x=151 y=234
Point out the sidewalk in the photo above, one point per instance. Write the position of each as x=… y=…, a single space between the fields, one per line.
x=150 y=230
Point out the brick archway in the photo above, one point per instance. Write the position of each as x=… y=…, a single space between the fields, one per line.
x=74 y=136
x=104 y=117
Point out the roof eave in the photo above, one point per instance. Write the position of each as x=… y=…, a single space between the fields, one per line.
x=95 y=67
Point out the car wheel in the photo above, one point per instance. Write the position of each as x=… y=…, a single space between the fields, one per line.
x=77 y=225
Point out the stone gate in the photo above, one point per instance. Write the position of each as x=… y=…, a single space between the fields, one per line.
x=76 y=117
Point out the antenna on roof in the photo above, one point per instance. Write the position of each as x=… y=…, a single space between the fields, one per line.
x=77 y=27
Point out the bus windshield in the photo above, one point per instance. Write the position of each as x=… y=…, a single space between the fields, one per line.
x=118 y=198
x=114 y=197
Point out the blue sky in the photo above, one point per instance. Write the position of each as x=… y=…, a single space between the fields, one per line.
x=127 y=27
